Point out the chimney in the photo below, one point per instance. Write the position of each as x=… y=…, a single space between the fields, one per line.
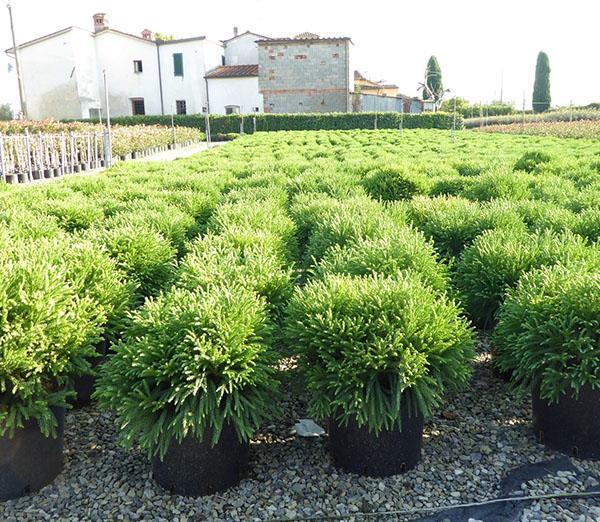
x=147 y=34
x=100 y=22
x=235 y=31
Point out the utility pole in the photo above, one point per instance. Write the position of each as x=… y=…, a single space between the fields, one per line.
x=501 y=86
x=107 y=135
x=17 y=62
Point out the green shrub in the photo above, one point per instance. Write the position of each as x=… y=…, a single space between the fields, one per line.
x=542 y=215
x=144 y=255
x=389 y=255
x=499 y=185
x=191 y=363
x=74 y=213
x=367 y=343
x=450 y=186
x=547 y=331
x=453 y=223
x=588 y=224
x=47 y=332
x=251 y=260
x=498 y=258
x=532 y=161
x=394 y=184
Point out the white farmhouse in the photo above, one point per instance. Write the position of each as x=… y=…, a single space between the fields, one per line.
x=63 y=73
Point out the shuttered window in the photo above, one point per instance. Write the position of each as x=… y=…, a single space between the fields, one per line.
x=178 y=64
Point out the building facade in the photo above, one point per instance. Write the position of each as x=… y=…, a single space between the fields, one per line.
x=305 y=74
x=63 y=75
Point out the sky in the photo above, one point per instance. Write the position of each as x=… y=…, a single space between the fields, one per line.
x=483 y=46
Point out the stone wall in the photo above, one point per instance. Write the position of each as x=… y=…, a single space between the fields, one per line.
x=304 y=76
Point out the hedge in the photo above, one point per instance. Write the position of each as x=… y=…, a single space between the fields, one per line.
x=305 y=121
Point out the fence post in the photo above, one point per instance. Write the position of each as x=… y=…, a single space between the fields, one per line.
x=375 y=122
x=107 y=149
x=72 y=143
x=63 y=153
x=242 y=125
x=2 y=159
x=96 y=161
x=42 y=154
x=254 y=123
x=28 y=152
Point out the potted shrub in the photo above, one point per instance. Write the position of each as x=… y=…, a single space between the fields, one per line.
x=547 y=338
x=46 y=334
x=95 y=275
x=190 y=382
x=497 y=259
x=377 y=354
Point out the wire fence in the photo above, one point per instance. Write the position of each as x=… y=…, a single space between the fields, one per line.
x=26 y=157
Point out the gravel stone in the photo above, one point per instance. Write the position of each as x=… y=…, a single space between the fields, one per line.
x=465 y=457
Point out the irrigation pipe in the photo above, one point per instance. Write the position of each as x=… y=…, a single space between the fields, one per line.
x=439 y=508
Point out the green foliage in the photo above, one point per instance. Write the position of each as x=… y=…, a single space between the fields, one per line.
x=497 y=259
x=433 y=81
x=367 y=343
x=6 y=112
x=532 y=160
x=191 y=363
x=143 y=254
x=395 y=183
x=238 y=258
x=299 y=121
x=405 y=249
x=47 y=332
x=541 y=88
x=547 y=331
x=453 y=223
x=499 y=184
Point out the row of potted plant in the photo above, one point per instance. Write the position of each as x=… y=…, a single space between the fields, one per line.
x=74 y=264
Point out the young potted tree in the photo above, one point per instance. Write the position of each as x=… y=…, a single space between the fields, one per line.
x=547 y=338
x=377 y=353
x=46 y=334
x=190 y=382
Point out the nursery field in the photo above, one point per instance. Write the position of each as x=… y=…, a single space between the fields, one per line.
x=588 y=129
x=435 y=306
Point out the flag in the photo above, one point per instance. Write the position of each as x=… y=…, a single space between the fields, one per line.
x=10 y=67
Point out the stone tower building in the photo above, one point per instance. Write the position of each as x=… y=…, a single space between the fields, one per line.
x=306 y=73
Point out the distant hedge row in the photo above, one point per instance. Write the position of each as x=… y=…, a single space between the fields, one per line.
x=305 y=121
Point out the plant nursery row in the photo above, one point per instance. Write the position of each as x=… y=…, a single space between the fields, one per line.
x=170 y=293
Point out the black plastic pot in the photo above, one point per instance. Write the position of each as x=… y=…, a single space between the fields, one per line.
x=571 y=426
x=357 y=450
x=84 y=385
x=195 y=468
x=22 y=177
x=12 y=179
x=35 y=174
x=55 y=173
x=29 y=461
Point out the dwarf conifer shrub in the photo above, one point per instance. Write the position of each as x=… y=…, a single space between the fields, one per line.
x=74 y=213
x=542 y=215
x=396 y=183
x=47 y=332
x=453 y=223
x=368 y=343
x=388 y=255
x=499 y=184
x=498 y=258
x=146 y=257
x=249 y=259
x=547 y=331
x=532 y=161
x=588 y=224
x=191 y=363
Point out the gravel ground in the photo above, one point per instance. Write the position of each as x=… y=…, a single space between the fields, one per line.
x=480 y=436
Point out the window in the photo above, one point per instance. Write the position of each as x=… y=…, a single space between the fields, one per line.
x=180 y=106
x=95 y=114
x=178 y=64
x=138 y=107
x=232 y=109
x=222 y=59
x=137 y=66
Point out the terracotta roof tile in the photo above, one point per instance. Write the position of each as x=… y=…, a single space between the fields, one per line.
x=233 y=71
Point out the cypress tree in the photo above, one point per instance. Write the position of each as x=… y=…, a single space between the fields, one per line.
x=433 y=80
x=541 y=86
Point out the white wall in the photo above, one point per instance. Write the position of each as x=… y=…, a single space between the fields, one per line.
x=242 y=50
x=50 y=76
x=199 y=56
x=116 y=53
x=234 y=91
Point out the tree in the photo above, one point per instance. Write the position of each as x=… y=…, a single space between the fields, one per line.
x=541 y=86
x=434 y=89
x=6 y=112
x=163 y=37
